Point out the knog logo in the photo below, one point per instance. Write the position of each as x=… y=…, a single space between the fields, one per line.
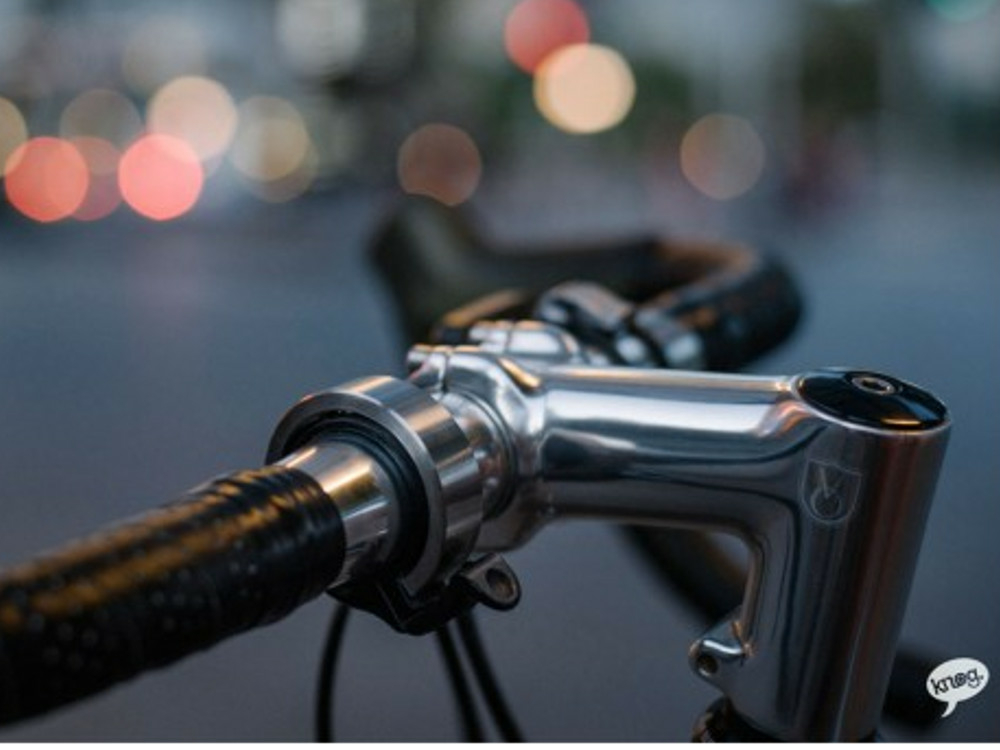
x=957 y=680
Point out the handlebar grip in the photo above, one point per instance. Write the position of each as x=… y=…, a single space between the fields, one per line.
x=239 y=552
x=741 y=311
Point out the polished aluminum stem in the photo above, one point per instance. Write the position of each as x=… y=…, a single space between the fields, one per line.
x=827 y=477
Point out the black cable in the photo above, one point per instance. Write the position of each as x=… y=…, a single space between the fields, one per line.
x=497 y=704
x=471 y=727
x=328 y=673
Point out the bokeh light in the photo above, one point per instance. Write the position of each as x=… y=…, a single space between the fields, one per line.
x=163 y=48
x=197 y=110
x=103 y=196
x=271 y=141
x=101 y=113
x=160 y=177
x=321 y=37
x=290 y=186
x=46 y=179
x=13 y=131
x=584 y=88
x=722 y=156
x=440 y=161
x=537 y=28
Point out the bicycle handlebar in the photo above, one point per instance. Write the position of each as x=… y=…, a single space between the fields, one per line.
x=383 y=490
x=735 y=303
x=239 y=552
x=386 y=488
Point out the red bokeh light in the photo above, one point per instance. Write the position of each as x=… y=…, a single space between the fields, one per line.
x=160 y=177
x=46 y=179
x=102 y=160
x=537 y=28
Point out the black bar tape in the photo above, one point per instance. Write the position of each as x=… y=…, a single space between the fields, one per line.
x=435 y=259
x=239 y=552
x=740 y=310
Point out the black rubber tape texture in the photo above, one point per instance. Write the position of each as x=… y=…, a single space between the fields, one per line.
x=238 y=552
x=740 y=315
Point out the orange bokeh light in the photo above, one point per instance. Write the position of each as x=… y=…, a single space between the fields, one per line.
x=46 y=179
x=722 y=156
x=197 y=110
x=440 y=161
x=160 y=177
x=537 y=28
x=584 y=88
x=13 y=130
x=103 y=195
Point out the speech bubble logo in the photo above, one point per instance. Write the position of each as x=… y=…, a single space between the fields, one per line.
x=957 y=680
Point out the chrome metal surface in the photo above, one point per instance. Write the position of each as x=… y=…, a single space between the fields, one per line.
x=442 y=456
x=827 y=478
x=590 y=311
x=526 y=338
x=832 y=511
x=364 y=495
x=679 y=345
x=490 y=449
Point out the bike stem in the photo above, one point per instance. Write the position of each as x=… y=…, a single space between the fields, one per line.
x=827 y=477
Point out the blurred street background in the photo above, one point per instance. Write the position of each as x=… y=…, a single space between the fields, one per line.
x=188 y=197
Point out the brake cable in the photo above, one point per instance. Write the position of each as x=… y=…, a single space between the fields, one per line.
x=481 y=668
